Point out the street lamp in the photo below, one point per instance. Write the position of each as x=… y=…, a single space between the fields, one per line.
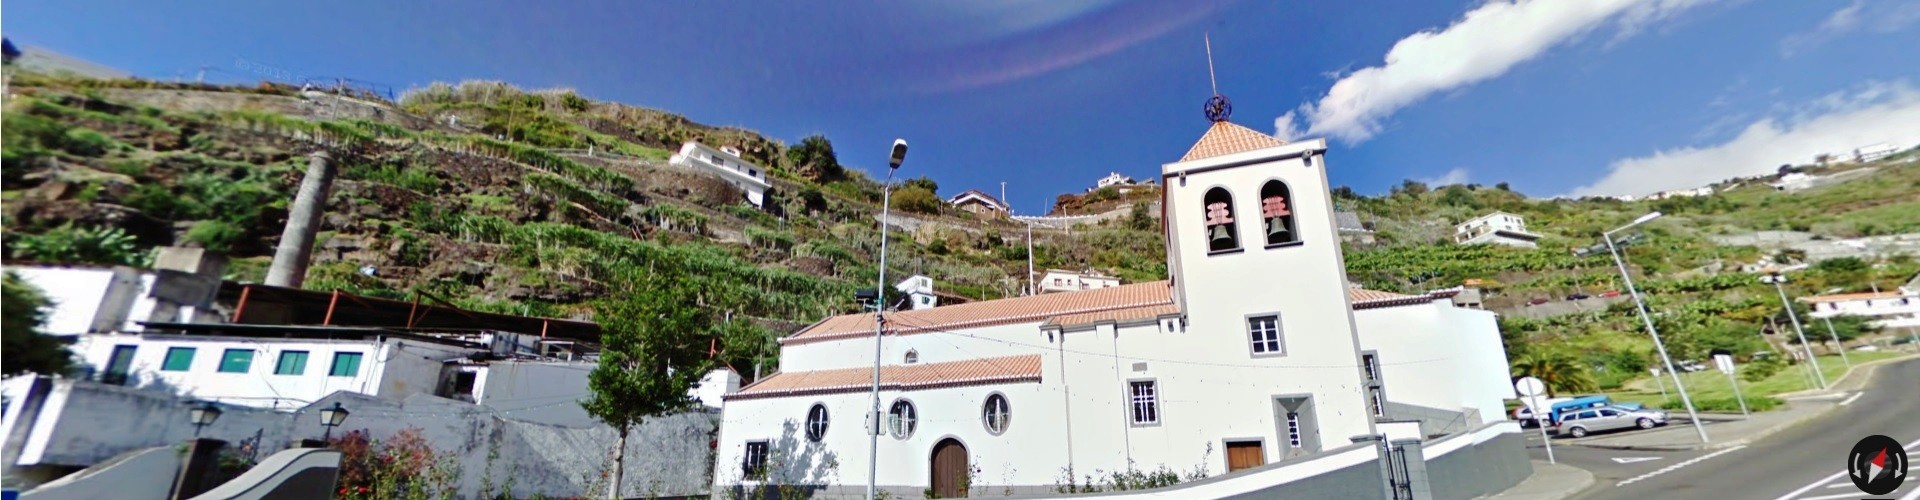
x=894 y=159
x=1647 y=318
x=203 y=416
x=1779 y=284
x=331 y=418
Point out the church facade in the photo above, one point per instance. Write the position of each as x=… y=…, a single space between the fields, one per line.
x=1255 y=350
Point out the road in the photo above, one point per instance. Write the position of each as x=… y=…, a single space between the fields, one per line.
x=1807 y=462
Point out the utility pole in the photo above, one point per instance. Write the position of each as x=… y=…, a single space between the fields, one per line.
x=1030 y=258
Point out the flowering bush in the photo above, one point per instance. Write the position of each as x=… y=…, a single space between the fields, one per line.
x=402 y=466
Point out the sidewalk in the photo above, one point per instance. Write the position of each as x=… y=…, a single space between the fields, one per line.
x=1548 y=482
x=1727 y=430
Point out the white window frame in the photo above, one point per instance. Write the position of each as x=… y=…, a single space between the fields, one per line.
x=902 y=428
x=987 y=415
x=823 y=422
x=1150 y=401
x=1274 y=341
x=748 y=460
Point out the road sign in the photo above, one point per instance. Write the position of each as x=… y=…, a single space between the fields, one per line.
x=1724 y=363
x=1530 y=387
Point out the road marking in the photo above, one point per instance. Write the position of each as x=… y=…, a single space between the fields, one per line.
x=1915 y=495
x=1841 y=485
x=1629 y=460
x=1831 y=497
x=1677 y=466
x=1856 y=395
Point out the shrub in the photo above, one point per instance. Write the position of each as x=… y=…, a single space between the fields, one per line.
x=916 y=199
x=85 y=142
x=214 y=235
x=401 y=466
x=68 y=244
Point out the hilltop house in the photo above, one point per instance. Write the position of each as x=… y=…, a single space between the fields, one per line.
x=1056 y=280
x=1498 y=228
x=972 y=200
x=727 y=163
x=1112 y=179
x=1255 y=351
x=1898 y=308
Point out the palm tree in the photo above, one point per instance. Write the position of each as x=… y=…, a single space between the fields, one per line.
x=1560 y=370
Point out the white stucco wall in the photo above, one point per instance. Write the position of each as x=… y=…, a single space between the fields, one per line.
x=76 y=293
x=257 y=387
x=749 y=177
x=547 y=392
x=1439 y=356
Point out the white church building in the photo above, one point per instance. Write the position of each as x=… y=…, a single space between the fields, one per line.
x=1256 y=350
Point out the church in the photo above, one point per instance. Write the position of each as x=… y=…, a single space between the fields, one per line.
x=1255 y=350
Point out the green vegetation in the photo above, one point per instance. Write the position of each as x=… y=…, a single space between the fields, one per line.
x=1711 y=391
x=23 y=309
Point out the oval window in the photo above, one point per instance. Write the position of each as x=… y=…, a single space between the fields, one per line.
x=817 y=423
x=996 y=414
x=901 y=419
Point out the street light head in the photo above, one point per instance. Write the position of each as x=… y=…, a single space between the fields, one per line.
x=899 y=154
x=1647 y=218
x=333 y=416
x=204 y=414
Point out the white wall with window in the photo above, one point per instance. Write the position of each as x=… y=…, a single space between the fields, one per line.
x=1452 y=361
x=256 y=372
x=741 y=173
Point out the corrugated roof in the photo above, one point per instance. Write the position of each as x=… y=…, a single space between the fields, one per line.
x=897 y=377
x=1225 y=138
x=1842 y=297
x=990 y=312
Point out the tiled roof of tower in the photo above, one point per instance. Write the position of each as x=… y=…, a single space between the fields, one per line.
x=1226 y=138
x=989 y=312
x=1021 y=368
x=1120 y=303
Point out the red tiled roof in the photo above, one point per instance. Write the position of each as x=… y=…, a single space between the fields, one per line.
x=1114 y=315
x=1022 y=368
x=1226 y=138
x=990 y=312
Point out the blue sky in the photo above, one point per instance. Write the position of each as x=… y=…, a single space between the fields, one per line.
x=1554 y=96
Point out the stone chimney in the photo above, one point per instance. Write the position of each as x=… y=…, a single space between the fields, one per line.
x=290 y=260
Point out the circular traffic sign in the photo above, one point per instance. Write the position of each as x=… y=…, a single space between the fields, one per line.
x=1530 y=387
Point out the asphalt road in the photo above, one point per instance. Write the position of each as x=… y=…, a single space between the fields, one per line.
x=1807 y=462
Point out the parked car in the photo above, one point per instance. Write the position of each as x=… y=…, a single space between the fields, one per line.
x=1690 y=366
x=1536 y=302
x=1868 y=347
x=1609 y=294
x=1610 y=418
x=1579 y=296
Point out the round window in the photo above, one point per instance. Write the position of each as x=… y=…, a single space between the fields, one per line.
x=901 y=419
x=817 y=423
x=996 y=414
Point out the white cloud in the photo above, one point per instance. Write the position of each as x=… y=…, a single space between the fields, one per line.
x=1870 y=16
x=1877 y=112
x=1287 y=128
x=1456 y=176
x=1485 y=43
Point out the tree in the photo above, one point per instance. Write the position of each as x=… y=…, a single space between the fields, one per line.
x=1503 y=187
x=654 y=343
x=1140 y=218
x=1411 y=187
x=23 y=309
x=923 y=182
x=916 y=199
x=1560 y=369
x=814 y=159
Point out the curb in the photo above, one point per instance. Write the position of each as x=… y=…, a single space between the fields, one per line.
x=1574 y=487
x=1844 y=378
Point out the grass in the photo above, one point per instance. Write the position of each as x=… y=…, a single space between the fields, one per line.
x=1711 y=386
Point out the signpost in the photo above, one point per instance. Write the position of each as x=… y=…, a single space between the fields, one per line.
x=1724 y=361
x=1533 y=391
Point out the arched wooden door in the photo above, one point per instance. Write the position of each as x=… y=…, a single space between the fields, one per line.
x=950 y=469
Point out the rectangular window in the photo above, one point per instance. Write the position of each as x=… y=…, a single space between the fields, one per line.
x=1378 y=401
x=291 y=363
x=1293 y=429
x=1265 y=332
x=179 y=359
x=345 y=364
x=1146 y=402
x=754 y=464
x=236 y=361
x=1371 y=362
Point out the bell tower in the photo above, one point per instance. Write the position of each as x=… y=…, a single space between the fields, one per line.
x=1256 y=265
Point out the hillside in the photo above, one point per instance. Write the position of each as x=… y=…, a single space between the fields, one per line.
x=485 y=195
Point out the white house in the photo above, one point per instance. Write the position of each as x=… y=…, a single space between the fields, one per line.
x=1682 y=193
x=1112 y=179
x=1890 y=309
x=919 y=290
x=1056 y=280
x=972 y=200
x=727 y=163
x=1873 y=152
x=1255 y=351
x=1498 y=228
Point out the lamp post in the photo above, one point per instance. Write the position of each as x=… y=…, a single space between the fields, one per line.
x=898 y=155
x=1779 y=284
x=332 y=417
x=1641 y=305
x=203 y=416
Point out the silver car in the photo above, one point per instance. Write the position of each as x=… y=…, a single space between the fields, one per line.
x=1583 y=422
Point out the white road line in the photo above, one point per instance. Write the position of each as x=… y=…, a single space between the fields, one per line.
x=1831 y=497
x=1856 y=395
x=1915 y=495
x=1677 y=466
x=1848 y=484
